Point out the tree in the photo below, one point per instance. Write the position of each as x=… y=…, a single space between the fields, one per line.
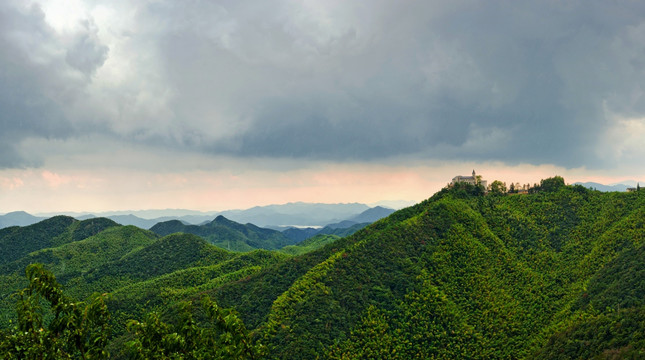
x=497 y=187
x=77 y=330
x=552 y=184
x=223 y=337
x=67 y=329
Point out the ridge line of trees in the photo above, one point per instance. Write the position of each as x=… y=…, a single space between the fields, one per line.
x=498 y=187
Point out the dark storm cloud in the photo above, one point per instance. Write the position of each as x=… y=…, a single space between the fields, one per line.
x=538 y=82
x=38 y=78
x=495 y=80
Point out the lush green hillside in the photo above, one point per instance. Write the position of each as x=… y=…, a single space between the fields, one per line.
x=509 y=271
x=342 y=232
x=16 y=242
x=72 y=261
x=611 y=335
x=228 y=234
x=309 y=244
x=611 y=320
x=253 y=296
x=557 y=273
x=72 y=258
x=168 y=254
x=157 y=293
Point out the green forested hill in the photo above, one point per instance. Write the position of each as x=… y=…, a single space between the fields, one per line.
x=228 y=234
x=170 y=253
x=310 y=244
x=16 y=242
x=78 y=256
x=342 y=232
x=557 y=273
x=72 y=260
x=506 y=272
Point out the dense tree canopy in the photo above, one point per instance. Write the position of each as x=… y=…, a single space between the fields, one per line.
x=552 y=184
x=497 y=187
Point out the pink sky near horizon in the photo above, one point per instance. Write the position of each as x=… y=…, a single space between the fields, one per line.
x=104 y=190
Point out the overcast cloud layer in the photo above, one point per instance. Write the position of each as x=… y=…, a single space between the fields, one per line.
x=540 y=82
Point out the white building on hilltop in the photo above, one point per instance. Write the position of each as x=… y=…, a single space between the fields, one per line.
x=473 y=180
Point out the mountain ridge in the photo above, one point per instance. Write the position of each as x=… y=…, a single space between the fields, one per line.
x=228 y=234
x=297 y=213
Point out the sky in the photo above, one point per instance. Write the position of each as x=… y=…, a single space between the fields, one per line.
x=214 y=105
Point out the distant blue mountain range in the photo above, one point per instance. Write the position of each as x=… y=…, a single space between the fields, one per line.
x=606 y=188
x=18 y=218
x=277 y=217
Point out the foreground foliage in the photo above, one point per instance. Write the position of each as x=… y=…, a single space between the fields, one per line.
x=69 y=330
x=223 y=336
x=54 y=326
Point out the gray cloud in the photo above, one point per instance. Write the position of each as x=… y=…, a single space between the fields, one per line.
x=38 y=79
x=462 y=80
x=482 y=81
x=86 y=53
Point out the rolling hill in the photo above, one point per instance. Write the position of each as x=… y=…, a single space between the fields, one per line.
x=228 y=234
x=16 y=242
